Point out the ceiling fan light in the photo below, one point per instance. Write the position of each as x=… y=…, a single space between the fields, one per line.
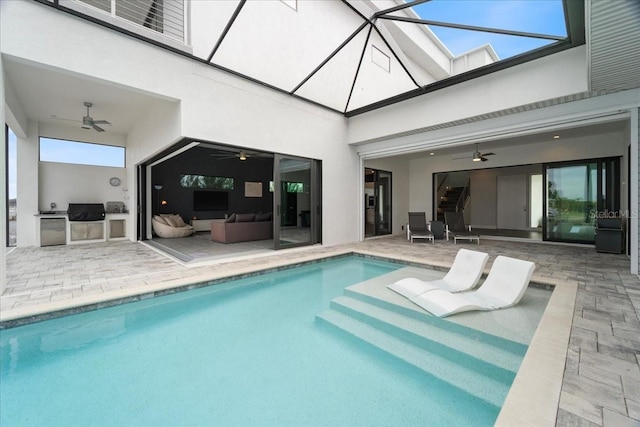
x=243 y=156
x=476 y=159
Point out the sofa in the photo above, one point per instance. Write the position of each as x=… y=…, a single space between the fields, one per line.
x=243 y=228
x=170 y=226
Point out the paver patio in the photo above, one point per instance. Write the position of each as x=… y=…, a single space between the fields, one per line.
x=601 y=383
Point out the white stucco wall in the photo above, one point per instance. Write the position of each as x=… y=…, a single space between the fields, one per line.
x=3 y=184
x=553 y=76
x=197 y=101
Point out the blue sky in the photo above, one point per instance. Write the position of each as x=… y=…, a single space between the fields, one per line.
x=534 y=16
x=54 y=150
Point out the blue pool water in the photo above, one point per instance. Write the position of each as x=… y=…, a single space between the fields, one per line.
x=244 y=353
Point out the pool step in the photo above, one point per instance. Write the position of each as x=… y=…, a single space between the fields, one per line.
x=381 y=301
x=459 y=376
x=468 y=359
x=436 y=337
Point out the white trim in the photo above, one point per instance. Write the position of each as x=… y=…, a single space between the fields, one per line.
x=361 y=206
x=586 y=112
x=632 y=181
x=174 y=153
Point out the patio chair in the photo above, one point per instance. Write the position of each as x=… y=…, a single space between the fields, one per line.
x=418 y=228
x=463 y=275
x=456 y=227
x=504 y=287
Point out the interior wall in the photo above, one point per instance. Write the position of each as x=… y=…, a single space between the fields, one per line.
x=198 y=161
x=422 y=169
x=483 y=203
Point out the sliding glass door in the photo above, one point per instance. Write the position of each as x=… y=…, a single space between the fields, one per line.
x=576 y=193
x=296 y=201
x=377 y=203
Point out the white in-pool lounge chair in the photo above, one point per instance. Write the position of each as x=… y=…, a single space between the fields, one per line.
x=504 y=287
x=464 y=275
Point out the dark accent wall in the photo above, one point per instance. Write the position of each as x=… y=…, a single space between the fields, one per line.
x=198 y=161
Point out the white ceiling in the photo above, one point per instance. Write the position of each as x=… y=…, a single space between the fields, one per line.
x=612 y=127
x=51 y=96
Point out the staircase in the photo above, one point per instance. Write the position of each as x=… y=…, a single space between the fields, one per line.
x=449 y=201
x=475 y=362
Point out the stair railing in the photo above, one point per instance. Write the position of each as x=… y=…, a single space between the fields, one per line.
x=442 y=189
x=462 y=200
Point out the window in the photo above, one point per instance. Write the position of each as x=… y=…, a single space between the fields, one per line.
x=164 y=17
x=12 y=173
x=81 y=153
x=210 y=182
x=289 y=187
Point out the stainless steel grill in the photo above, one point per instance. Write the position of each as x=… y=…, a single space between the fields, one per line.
x=85 y=212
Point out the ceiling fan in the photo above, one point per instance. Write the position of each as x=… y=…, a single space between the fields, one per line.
x=88 y=122
x=242 y=155
x=477 y=156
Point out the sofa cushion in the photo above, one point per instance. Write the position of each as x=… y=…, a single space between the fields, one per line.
x=232 y=218
x=245 y=217
x=263 y=216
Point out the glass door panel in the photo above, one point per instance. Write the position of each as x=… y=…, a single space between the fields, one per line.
x=293 y=200
x=377 y=202
x=383 y=203
x=572 y=200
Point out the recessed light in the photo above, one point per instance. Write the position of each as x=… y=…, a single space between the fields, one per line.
x=556 y=136
x=431 y=154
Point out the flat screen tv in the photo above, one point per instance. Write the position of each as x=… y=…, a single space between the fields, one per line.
x=210 y=200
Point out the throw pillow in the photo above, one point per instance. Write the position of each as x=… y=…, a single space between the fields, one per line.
x=232 y=218
x=178 y=219
x=171 y=221
x=245 y=217
x=160 y=219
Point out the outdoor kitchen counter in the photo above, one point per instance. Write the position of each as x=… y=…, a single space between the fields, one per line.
x=112 y=227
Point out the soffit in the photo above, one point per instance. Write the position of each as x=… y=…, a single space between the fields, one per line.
x=48 y=95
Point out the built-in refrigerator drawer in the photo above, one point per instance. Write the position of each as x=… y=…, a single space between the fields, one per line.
x=53 y=231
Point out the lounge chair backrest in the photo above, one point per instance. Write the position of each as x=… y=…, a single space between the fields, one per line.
x=455 y=221
x=417 y=222
x=507 y=281
x=466 y=269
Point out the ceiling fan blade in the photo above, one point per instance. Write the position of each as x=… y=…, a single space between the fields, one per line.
x=484 y=159
x=98 y=128
x=461 y=158
x=101 y=122
x=66 y=120
x=488 y=154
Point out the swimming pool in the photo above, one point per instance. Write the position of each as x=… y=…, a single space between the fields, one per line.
x=249 y=352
